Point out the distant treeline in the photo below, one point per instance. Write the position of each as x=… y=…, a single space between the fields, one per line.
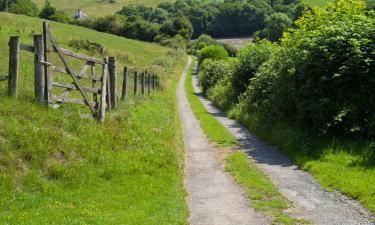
x=192 y=18
x=174 y=23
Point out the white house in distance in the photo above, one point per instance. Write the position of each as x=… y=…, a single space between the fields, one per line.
x=79 y=15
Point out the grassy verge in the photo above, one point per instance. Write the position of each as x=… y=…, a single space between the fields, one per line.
x=261 y=192
x=346 y=165
x=56 y=168
x=211 y=127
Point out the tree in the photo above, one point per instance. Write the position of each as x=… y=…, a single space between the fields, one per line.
x=276 y=25
x=4 y=4
x=47 y=11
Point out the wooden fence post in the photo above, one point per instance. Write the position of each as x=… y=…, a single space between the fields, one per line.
x=103 y=92
x=112 y=80
x=14 y=50
x=124 y=83
x=47 y=67
x=149 y=83
x=143 y=83
x=38 y=67
x=153 y=82
x=135 y=82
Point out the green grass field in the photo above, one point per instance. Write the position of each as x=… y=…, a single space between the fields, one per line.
x=96 y=8
x=259 y=189
x=317 y=2
x=56 y=168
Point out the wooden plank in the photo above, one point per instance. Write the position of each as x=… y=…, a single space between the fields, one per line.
x=47 y=69
x=103 y=93
x=124 y=83
x=68 y=91
x=70 y=53
x=143 y=83
x=73 y=87
x=135 y=82
x=112 y=80
x=14 y=49
x=93 y=85
x=71 y=71
x=148 y=83
x=38 y=68
x=60 y=69
x=27 y=48
x=70 y=100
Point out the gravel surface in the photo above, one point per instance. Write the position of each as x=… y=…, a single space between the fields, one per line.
x=310 y=200
x=214 y=199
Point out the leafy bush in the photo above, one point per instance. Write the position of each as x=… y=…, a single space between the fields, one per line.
x=277 y=24
x=212 y=52
x=214 y=70
x=323 y=77
x=25 y=7
x=251 y=59
x=47 y=11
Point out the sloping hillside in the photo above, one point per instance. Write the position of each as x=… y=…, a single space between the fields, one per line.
x=56 y=168
x=96 y=8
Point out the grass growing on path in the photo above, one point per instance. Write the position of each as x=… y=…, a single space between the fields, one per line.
x=56 y=168
x=211 y=127
x=261 y=192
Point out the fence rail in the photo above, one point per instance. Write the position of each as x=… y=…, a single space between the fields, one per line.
x=46 y=71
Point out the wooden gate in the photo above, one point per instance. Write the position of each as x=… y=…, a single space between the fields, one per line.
x=89 y=94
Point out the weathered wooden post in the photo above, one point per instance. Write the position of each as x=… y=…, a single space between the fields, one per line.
x=153 y=82
x=108 y=97
x=38 y=67
x=143 y=83
x=135 y=82
x=103 y=92
x=124 y=83
x=149 y=83
x=47 y=67
x=14 y=50
x=112 y=80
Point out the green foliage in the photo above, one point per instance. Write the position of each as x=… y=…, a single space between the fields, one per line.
x=47 y=11
x=276 y=25
x=212 y=52
x=25 y=7
x=251 y=58
x=214 y=70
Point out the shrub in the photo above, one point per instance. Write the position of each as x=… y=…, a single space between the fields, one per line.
x=212 y=52
x=277 y=24
x=25 y=7
x=47 y=11
x=323 y=77
x=213 y=70
x=251 y=59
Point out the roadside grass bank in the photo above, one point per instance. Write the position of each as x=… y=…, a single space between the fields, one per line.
x=346 y=165
x=259 y=189
x=59 y=168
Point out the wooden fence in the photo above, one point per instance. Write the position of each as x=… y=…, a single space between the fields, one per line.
x=87 y=82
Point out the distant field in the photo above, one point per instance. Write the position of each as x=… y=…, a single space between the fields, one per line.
x=316 y=2
x=96 y=8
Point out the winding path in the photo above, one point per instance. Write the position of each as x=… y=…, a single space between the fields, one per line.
x=310 y=200
x=214 y=199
